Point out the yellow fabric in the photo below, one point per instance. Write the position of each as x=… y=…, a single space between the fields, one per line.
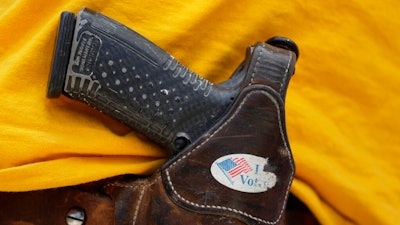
x=342 y=105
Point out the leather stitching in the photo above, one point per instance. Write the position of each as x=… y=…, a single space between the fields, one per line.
x=139 y=202
x=255 y=68
x=213 y=134
x=140 y=198
x=286 y=73
x=133 y=187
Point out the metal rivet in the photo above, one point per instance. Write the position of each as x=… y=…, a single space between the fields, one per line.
x=181 y=141
x=75 y=216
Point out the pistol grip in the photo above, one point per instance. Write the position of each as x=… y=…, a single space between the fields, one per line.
x=122 y=74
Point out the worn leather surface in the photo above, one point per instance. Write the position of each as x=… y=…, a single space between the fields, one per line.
x=51 y=206
x=259 y=133
x=152 y=205
x=184 y=190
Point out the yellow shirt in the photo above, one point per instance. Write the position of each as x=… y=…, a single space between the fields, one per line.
x=341 y=110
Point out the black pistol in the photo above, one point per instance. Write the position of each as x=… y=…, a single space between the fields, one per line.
x=119 y=72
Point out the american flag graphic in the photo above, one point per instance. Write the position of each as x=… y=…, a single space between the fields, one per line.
x=234 y=166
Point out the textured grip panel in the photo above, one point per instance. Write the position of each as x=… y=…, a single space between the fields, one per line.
x=122 y=74
x=61 y=54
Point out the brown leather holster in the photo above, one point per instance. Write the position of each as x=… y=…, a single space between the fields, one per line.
x=239 y=172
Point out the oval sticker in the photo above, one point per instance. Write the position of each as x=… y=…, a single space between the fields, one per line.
x=243 y=172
